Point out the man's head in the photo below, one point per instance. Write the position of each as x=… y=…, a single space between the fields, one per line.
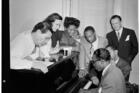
x=54 y=20
x=101 y=58
x=113 y=52
x=116 y=22
x=71 y=25
x=41 y=33
x=90 y=34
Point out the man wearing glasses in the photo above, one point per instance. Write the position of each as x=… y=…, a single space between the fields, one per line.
x=112 y=80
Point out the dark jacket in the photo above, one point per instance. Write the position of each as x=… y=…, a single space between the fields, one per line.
x=124 y=67
x=127 y=45
x=56 y=36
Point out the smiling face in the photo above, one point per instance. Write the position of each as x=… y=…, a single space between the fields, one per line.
x=90 y=36
x=116 y=24
x=56 y=25
x=71 y=30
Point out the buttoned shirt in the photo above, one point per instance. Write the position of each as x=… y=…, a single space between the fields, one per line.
x=120 y=32
x=117 y=61
x=94 y=46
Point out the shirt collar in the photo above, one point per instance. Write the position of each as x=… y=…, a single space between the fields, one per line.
x=117 y=61
x=120 y=31
x=106 y=68
x=95 y=43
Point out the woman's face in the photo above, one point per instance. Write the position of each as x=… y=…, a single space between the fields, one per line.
x=71 y=30
x=56 y=25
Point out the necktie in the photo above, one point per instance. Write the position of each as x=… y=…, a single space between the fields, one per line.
x=118 y=35
x=91 y=50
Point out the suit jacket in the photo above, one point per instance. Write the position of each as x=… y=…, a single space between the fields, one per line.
x=113 y=81
x=127 y=45
x=84 y=56
x=124 y=67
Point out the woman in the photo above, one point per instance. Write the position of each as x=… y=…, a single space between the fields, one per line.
x=55 y=21
x=71 y=34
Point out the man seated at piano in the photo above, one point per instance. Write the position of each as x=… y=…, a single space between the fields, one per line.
x=112 y=80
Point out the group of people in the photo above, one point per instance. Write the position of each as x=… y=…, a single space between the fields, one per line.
x=110 y=57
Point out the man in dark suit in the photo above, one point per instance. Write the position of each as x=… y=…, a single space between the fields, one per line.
x=112 y=80
x=123 y=39
x=120 y=63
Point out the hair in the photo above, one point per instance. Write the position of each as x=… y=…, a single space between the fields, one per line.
x=89 y=28
x=102 y=54
x=71 y=21
x=52 y=17
x=115 y=16
x=42 y=27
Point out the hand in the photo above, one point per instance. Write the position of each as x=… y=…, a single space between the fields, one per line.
x=40 y=59
x=29 y=58
x=82 y=73
x=40 y=65
x=95 y=80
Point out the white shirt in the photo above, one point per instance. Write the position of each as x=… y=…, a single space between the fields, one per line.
x=42 y=51
x=117 y=61
x=103 y=73
x=21 y=47
x=120 y=32
x=94 y=47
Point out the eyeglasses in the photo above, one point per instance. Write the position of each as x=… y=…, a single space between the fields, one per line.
x=94 y=62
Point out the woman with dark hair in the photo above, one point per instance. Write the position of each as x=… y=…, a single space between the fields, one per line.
x=71 y=34
x=55 y=20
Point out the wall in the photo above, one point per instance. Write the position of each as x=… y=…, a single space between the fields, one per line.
x=130 y=17
x=94 y=13
x=24 y=14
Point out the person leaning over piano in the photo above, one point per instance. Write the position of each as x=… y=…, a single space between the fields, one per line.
x=112 y=80
x=24 y=46
x=28 y=63
x=89 y=43
x=55 y=21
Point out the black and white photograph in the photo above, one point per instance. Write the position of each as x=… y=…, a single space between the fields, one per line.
x=72 y=46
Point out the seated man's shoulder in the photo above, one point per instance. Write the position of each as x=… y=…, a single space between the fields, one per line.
x=124 y=63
